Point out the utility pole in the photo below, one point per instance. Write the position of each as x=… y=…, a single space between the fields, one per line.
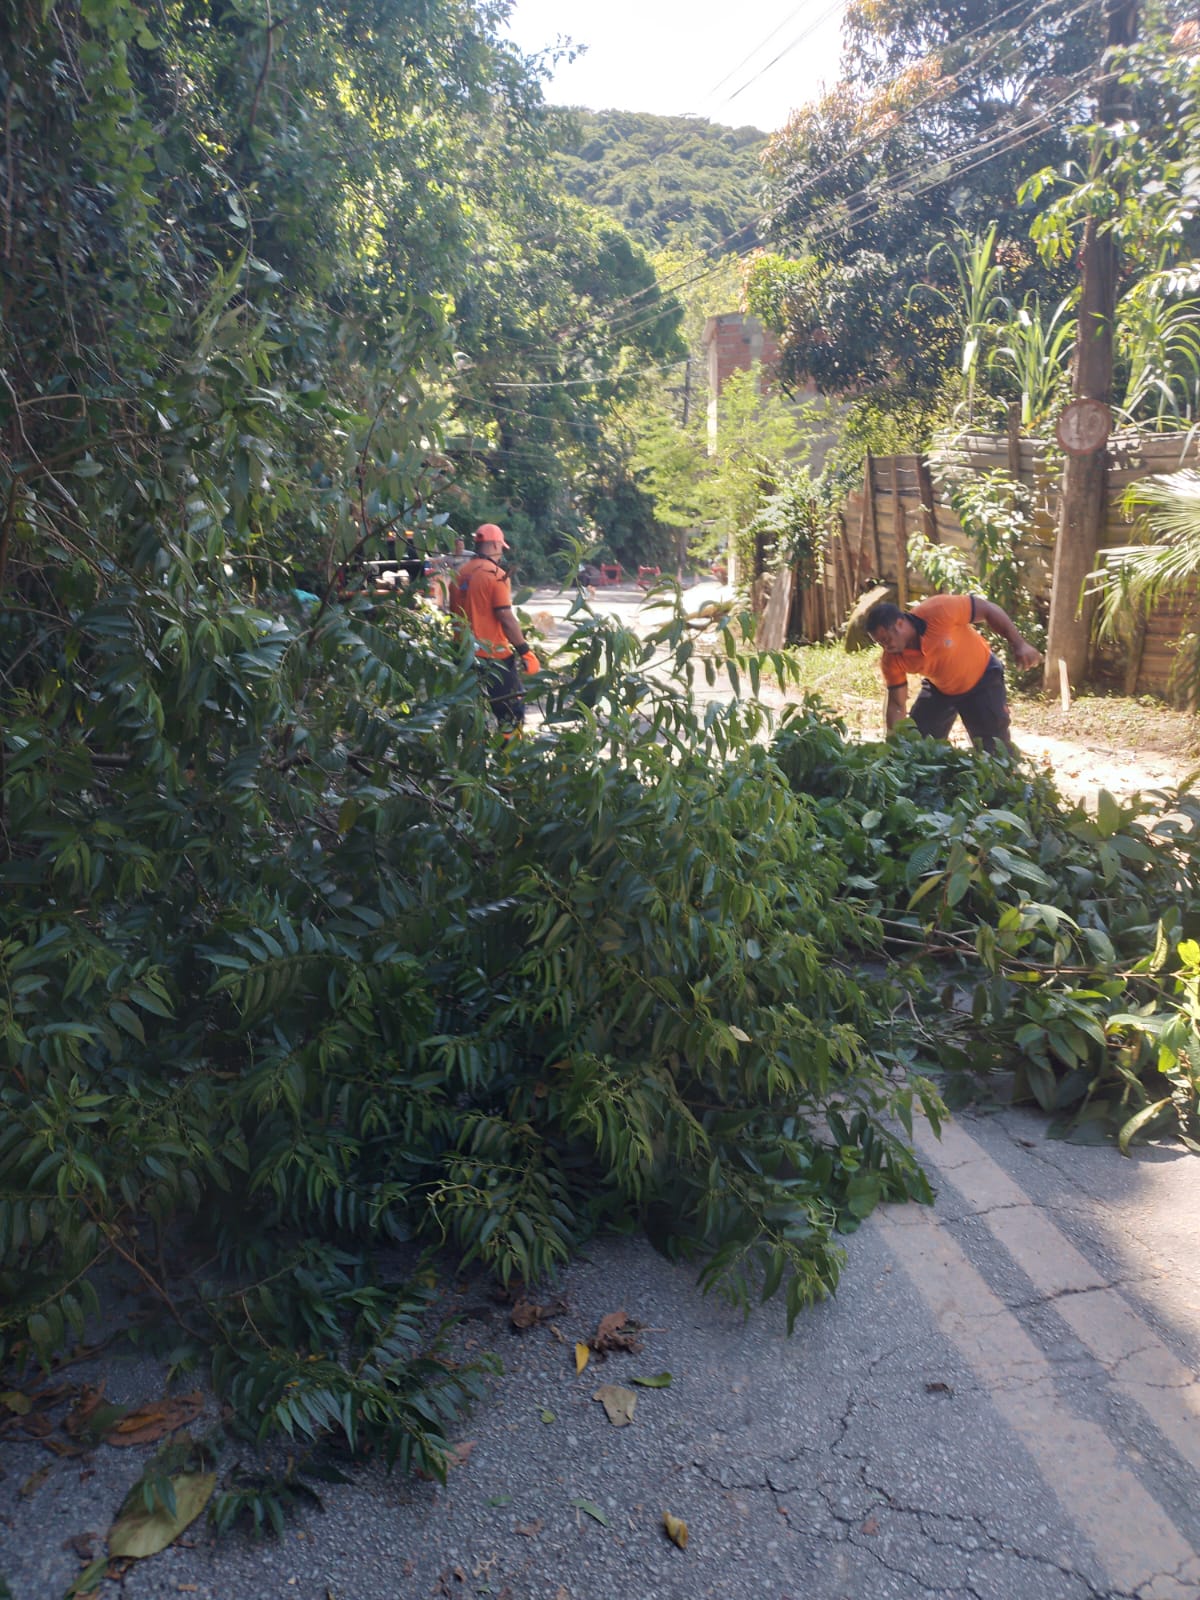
x=1082 y=502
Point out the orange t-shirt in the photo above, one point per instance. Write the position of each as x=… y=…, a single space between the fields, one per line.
x=950 y=653
x=479 y=591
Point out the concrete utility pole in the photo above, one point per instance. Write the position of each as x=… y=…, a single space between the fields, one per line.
x=1081 y=507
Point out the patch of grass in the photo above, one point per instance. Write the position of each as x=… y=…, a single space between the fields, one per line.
x=850 y=684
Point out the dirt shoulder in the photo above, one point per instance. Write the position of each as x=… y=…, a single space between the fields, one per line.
x=1108 y=742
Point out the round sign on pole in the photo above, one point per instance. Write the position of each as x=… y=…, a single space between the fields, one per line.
x=1083 y=426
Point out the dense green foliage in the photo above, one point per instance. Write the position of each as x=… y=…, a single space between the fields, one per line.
x=302 y=974
x=298 y=968
x=941 y=111
x=1029 y=937
x=670 y=181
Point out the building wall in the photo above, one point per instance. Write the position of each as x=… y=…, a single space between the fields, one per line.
x=734 y=343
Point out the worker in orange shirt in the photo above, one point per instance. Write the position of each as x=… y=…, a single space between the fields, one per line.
x=963 y=677
x=481 y=594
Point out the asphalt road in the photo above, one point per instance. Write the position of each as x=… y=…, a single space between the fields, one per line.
x=1002 y=1403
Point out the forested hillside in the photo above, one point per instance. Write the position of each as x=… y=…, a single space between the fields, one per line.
x=668 y=180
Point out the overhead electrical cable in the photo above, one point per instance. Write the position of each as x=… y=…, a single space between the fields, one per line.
x=786 y=51
x=915 y=181
x=838 y=5
x=640 y=316
x=937 y=91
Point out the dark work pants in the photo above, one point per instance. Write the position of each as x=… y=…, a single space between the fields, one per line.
x=983 y=709
x=502 y=685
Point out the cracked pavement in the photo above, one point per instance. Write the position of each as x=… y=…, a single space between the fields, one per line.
x=1002 y=1403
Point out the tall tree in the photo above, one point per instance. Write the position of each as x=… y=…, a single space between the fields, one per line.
x=942 y=107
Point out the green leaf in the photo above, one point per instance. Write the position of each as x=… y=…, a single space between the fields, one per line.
x=1108 y=814
x=1140 y=1120
x=140 y=1533
x=660 y=1380
x=591 y=1509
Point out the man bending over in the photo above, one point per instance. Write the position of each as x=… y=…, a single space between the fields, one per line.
x=962 y=676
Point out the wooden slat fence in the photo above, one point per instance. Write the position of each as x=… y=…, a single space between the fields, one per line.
x=901 y=496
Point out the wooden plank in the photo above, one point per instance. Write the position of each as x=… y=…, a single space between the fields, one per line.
x=844 y=575
x=928 y=514
x=1013 y=438
x=772 y=631
x=868 y=520
x=1137 y=649
x=901 y=537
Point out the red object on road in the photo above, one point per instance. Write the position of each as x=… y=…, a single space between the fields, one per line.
x=648 y=576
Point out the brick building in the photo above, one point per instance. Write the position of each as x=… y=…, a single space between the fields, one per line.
x=733 y=343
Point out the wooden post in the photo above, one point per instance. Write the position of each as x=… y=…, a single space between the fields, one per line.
x=817 y=593
x=843 y=575
x=866 y=520
x=1013 y=430
x=925 y=490
x=874 y=518
x=901 y=539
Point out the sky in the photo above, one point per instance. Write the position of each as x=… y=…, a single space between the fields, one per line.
x=749 y=64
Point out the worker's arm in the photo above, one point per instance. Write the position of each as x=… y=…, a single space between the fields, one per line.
x=998 y=620
x=511 y=628
x=896 y=705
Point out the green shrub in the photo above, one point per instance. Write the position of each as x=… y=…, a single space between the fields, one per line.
x=1044 y=942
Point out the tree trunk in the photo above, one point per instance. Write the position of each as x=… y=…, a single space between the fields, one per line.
x=1081 y=509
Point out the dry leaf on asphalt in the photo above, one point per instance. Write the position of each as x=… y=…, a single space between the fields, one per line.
x=615 y=1332
x=582 y=1353
x=13 y=1400
x=676 y=1530
x=528 y=1314
x=618 y=1402
x=870 y=1526
x=62 y=1447
x=139 y=1533
x=34 y=1481
x=92 y=1414
x=530 y=1529
x=150 y=1423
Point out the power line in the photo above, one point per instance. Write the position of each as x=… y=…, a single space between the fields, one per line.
x=839 y=5
x=937 y=91
x=637 y=321
x=915 y=181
